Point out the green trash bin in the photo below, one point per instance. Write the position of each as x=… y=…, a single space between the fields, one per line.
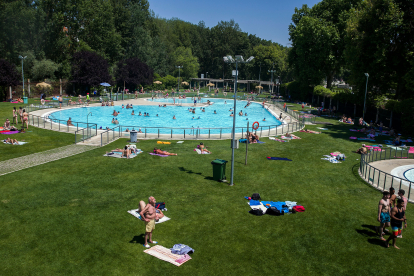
x=219 y=169
x=25 y=100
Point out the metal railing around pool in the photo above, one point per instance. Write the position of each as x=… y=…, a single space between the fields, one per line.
x=303 y=117
x=380 y=179
x=111 y=134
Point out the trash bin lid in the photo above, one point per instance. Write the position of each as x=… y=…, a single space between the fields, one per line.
x=219 y=161
x=133 y=131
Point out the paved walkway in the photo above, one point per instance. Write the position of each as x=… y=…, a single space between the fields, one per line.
x=28 y=161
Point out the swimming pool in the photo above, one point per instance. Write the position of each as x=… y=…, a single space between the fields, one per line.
x=409 y=175
x=221 y=122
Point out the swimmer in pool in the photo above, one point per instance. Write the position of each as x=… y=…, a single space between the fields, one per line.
x=225 y=102
x=264 y=119
x=113 y=121
x=241 y=113
x=245 y=114
x=215 y=112
x=174 y=117
x=140 y=114
x=231 y=115
x=198 y=117
x=192 y=118
x=157 y=115
x=132 y=112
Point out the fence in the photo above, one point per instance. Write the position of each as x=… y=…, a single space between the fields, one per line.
x=196 y=133
x=380 y=179
x=303 y=118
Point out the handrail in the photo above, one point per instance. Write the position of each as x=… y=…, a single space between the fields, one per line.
x=381 y=179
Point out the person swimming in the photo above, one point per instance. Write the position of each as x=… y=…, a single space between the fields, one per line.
x=215 y=112
x=175 y=118
x=231 y=115
x=264 y=119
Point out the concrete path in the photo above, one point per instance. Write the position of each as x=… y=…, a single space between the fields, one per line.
x=28 y=161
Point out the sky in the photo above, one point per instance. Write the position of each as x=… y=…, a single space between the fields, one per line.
x=264 y=18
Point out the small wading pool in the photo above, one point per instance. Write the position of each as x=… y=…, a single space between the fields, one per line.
x=404 y=172
x=102 y=116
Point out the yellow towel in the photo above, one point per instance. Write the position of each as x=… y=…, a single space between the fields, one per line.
x=161 y=142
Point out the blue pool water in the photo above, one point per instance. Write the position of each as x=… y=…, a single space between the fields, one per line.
x=409 y=175
x=102 y=116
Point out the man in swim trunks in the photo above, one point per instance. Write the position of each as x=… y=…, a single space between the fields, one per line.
x=401 y=194
x=383 y=214
x=393 y=197
x=148 y=215
x=397 y=219
x=60 y=102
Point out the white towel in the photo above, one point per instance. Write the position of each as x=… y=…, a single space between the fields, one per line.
x=137 y=215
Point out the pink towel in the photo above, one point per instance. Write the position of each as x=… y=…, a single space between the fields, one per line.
x=162 y=155
x=411 y=150
x=353 y=138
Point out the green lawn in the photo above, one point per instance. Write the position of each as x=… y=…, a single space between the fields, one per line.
x=69 y=217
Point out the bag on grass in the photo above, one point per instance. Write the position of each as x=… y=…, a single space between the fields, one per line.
x=298 y=209
x=274 y=211
x=160 y=205
x=256 y=196
x=256 y=212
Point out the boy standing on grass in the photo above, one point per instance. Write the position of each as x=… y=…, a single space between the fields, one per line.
x=393 y=197
x=397 y=219
x=148 y=214
x=383 y=214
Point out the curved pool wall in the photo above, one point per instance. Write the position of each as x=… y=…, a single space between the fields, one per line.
x=209 y=123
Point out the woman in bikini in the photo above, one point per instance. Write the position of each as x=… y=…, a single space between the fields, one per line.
x=26 y=118
x=158 y=151
x=14 y=114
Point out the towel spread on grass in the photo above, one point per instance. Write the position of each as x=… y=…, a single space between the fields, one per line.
x=165 y=254
x=407 y=141
x=411 y=150
x=292 y=137
x=323 y=128
x=331 y=159
x=278 y=158
x=138 y=216
x=366 y=139
x=395 y=148
x=19 y=143
x=180 y=142
x=162 y=155
x=199 y=151
x=118 y=154
x=9 y=132
x=353 y=138
x=281 y=206
x=277 y=139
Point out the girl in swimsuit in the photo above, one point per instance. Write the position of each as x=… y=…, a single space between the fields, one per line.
x=14 y=114
x=25 y=118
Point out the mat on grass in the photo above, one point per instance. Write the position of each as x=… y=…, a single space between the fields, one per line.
x=162 y=155
x=19 y=143
x=395 y=148
x=323 y=128
x=411 y=150
x=117 y=154
x=199 y=151
x=278 y=158
x=9 y=132
x=180 y=142
x=138 y=216
x=165 y=254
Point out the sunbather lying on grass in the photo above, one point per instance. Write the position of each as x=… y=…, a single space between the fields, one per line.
x=158 y=151
x=11 y=141
x=125 y=152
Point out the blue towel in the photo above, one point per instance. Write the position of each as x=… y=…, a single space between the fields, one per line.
x=278 y=158
x=254 y=202
x=260 y=142
x=280 y=205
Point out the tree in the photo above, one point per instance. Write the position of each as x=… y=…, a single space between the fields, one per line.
x=134 y=73
x=43 y=69
x=8 y=77
x=183 y=57
x=89 y=69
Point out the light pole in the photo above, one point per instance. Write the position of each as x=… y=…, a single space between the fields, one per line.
x=87 y=123
x=260 y=72
x=272 y=71
x=230 y=59
x=22 y=58
x=366 y=88
x=278 y=84
x=179 y=67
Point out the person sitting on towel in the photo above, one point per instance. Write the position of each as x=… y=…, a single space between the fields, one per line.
x=397 y=141
x=6 y=124
x=11 y=141
x=202 y=149
x=288 y=135
x=125 y=152
x=362 y=150
x=158 y=151
x=158 y=213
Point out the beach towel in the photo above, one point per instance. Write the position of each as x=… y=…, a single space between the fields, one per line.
x=138 y=216
x=394 y=147
x=411 y=150
x=278 y=158
x=366 y=139
x=118 y=154
x=291 y=138
x=165 y=143
x=277 y=139
x=335 y=153
x=199 y=151
x=180 y=142
x=9 y=132
x=407 y=141
x=259 y=206
x=354 y=130
x=165 y=254
x=161 y=155
x=259 y=142
x=19 y=143
x=323 y=128
x=353 y=138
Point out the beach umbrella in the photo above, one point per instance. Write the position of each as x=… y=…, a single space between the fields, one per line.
x=157 y=82
x=185 y=83
x=210 y=84
x=105 y=84
x=43 y=85
x=261 y=87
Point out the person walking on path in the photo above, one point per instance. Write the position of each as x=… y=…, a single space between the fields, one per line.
x=148 y=214
x=397 y=219
x=383 y=214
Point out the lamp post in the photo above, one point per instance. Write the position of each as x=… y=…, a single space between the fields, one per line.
x=179 y=67
x=22 y=58
x=366 y=88
x=87 y=123
x=230 y=59
x=260 y=72
x=272 y=71
x=278 y=84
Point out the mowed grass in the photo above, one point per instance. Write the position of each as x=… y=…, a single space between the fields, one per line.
x=70 y=216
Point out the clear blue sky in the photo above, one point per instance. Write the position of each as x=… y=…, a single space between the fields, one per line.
x=266 y=19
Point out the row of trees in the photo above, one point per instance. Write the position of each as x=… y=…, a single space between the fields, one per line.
x=347 y=38
x=51 y=33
